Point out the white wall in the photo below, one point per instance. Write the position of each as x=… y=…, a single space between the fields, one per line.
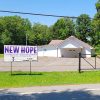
x=48 y=52
x=87 y=52
x=59 y=52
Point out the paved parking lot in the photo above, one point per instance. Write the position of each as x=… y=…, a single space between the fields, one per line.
x=51 y=64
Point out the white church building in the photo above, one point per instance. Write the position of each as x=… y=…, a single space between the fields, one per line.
x=68 y=48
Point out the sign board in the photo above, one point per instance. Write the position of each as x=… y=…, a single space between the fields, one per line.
x=20 y=53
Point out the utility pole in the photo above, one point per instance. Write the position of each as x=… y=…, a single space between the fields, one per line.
x=26 y=38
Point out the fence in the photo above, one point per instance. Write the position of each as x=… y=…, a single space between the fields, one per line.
x=90 y=63
x=48 y=64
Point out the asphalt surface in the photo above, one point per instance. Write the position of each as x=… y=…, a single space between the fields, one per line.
x=65 y=92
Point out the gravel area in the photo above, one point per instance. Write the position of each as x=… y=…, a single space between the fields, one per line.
x=51 y=64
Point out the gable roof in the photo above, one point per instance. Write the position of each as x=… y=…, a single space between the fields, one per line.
x=55 y=42
x=59 y=43
x=79 y=42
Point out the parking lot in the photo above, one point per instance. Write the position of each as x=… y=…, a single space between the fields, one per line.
x=51 y=64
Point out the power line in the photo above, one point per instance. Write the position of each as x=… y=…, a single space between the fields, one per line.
x=36 y=14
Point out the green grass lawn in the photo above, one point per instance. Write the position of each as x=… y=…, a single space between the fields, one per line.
x=47 y=78
x=1 y=55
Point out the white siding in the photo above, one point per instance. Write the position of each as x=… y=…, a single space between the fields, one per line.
x=86 y=52
x=70 y=46
x=59 y=52
x=48 y=52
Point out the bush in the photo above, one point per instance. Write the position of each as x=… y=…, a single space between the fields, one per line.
x=97 y=49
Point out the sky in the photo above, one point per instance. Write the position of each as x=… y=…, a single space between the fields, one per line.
x=54 y=7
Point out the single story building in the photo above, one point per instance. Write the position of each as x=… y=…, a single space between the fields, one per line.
x=68 y=48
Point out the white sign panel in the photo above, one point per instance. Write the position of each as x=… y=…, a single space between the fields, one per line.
x=20 y=53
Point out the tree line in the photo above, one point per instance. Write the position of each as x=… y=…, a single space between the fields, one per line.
x=15 y=30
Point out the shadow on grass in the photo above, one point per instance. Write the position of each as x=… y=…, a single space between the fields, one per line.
x=25 y=73
x=65 y=95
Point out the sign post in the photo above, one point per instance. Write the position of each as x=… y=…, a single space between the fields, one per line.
x=95 y=61
x=30 y=60
x=79 y=63
x=11 y=64
x=11 y=67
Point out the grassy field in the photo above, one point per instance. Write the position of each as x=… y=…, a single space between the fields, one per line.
x=19 y=79
x=1 y=55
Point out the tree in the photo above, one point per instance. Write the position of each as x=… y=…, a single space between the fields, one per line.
x=83 y=28
x=96 y=31
x=40 y=34
x=13 y=30
x=98 y=6
x=96 y=25
x=63 y=28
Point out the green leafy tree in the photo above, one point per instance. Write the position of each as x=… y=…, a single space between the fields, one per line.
x=63 y=28
x=96 y=25
x=96 y=32
x=83 y=28
x=40 y=34
x=98 y=6
x=5 y=37
x=13 y=30
x=16 y=27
